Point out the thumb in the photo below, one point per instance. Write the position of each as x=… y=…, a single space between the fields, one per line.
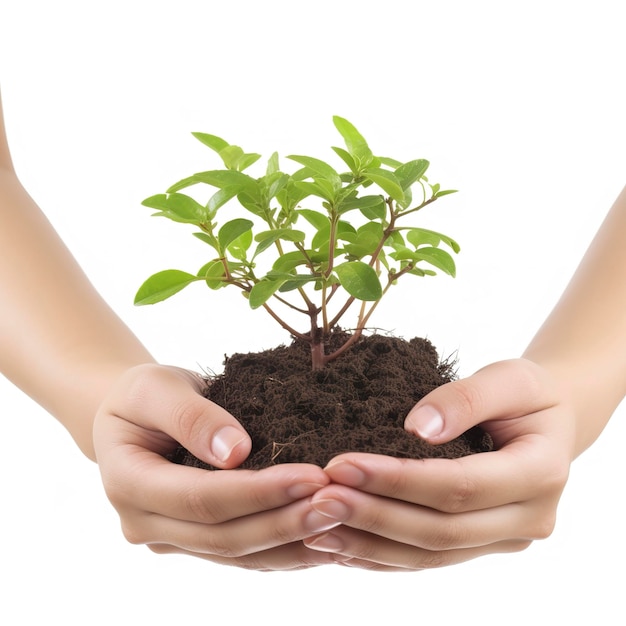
x=206 y=429
x=169 y=400
x=506 y=389
x=210 y=433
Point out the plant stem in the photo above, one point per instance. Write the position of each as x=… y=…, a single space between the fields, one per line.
x=284 y=324
x=354 y=337
x=301 y=291
x=341 y=312
x=325 y=310
x=417 y=208
x=316 y=339
x=290 y=305
x=332 y=242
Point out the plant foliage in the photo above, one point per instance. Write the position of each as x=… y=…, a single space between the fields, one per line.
x=310 y=240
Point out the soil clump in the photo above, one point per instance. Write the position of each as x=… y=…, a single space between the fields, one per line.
x=357 y=403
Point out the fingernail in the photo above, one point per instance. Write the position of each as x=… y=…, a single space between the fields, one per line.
x=316 y=522
x=332 y=508
x=346 y=473
x=225 y=441
x=302 y=490
x=328 y=542
x=426 y=421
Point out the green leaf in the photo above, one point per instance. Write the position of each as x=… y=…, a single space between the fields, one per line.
x=389 y=162
x=437 y=258
x=239 y=247
x=228 y=178
x=178 y=207
x=372 y=231
x=158 y=201
x=345 y=231
x=210 y=239
x=290 y=260
x=387 y=181
x=408 y=198
x=212 y=141
x=395 y=238
x=411 y=172
x=264 y=290
x=268 y=237
x=220 y=198
x=355 y=142
x=162 y=285
x=221 y=179
x=232 y=230
x=423 y=236
x=231 y=155
x=315 y=218
x=213 y=274
x=297 y=281
x=287 y=234
x=376 y=212
x=257 y=205
x=321 y=238
x=290 y=196
x=402 y=253
x=445 y=192
x=348 y=159
x=371 y=204
x=274 y=183
x=183 y=184
x=187 y=208
x=319 y=168
x=367 y=240
x=272 y=165
x=329 y=191
x=315 y=189
x=359 y=280
x=246 y=160
x=417 y=271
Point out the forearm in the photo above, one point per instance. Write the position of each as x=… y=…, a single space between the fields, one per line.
x=61 y=343
x=583 y=341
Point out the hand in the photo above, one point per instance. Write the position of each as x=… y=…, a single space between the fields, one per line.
x=254 y=520
x=400 y=514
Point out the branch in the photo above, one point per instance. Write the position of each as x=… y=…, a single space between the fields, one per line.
x=284 y=324
x=417 y=208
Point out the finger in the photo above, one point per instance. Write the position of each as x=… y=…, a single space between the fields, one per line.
x=370 y=566
x=379 y=554
x=290 y=557
x=507 y=389
x=427 y=528
x=529 y=468
x=238 y=537
x=168 y=399
x=137 y=479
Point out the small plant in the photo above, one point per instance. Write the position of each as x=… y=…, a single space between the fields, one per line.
x=337 y=237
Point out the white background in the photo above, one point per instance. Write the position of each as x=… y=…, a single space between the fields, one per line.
x=520 y=105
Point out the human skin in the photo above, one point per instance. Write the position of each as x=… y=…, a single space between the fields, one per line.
x=78 y=360
x=542 y=410
x=65 y=348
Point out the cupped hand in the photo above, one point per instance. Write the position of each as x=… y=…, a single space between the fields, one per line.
x=251 y=519
x=401 y=514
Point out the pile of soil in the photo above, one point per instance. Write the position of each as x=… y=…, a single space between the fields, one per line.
x=357 y=403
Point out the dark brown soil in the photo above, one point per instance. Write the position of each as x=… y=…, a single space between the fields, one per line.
x=356 y=404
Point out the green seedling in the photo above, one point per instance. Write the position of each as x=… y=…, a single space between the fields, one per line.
x=313 y=242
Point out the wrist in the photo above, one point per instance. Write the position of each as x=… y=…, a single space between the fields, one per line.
x=78 y=406
x=584 y=389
